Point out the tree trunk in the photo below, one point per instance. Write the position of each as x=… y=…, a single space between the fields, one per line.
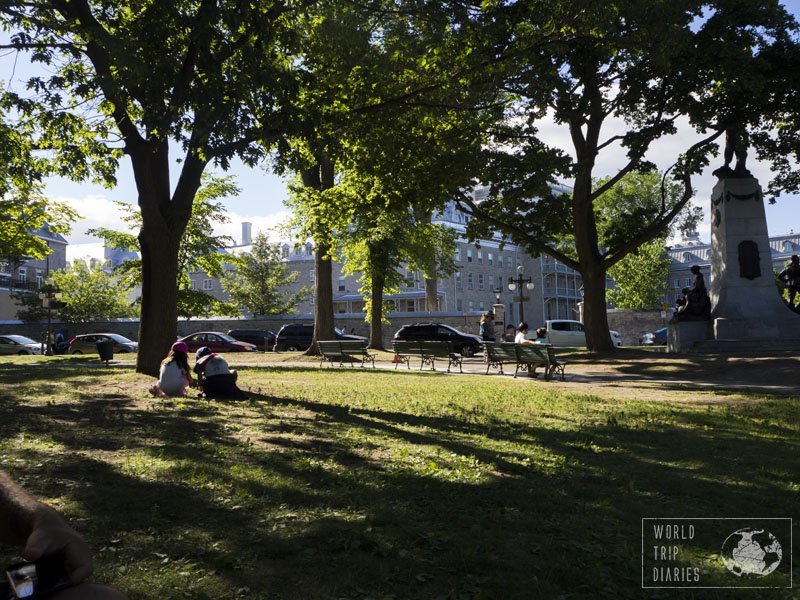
x=592 y=269
x=595 y=315
x=159 y=318
x=321 y=177
x=431 y=297
x=376 y=311
x=323 y=300
x=164 y=220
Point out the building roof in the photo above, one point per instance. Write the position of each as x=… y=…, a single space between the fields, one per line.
x=45 y=233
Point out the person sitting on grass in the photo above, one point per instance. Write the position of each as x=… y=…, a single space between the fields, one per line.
x=174 y=377
x=214 y=377
x=41 y=531
x=522 y=334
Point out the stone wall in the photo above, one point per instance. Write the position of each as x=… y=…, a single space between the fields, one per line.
x=631 y=324
x=355 y=323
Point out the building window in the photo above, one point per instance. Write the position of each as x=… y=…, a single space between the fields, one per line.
x=311 y=275
x=471 y=305
x=481 y=306
x=480 y=257
x=677 y=284
x=469 y=256
x=688 y=283
x=508 y=261
x=341 y=284
x=470 y=284
x=22 y=275
x=490 y=259
x=420 y=281
x=459 y=305
x=39 y=278
x=193 y=284
x=458 y=280
x=458 y=253
x=208 y=284
x=480 y=281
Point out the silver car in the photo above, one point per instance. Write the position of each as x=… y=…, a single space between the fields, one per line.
x=87 y=343
x=19 y=344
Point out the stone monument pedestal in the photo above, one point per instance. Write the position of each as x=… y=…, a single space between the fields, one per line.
x=745 y=303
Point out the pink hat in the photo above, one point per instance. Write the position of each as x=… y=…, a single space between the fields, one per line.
x=180 y=347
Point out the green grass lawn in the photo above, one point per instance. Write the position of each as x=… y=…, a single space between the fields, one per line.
x=363 y=484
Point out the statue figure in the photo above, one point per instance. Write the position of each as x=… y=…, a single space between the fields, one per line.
x=736 y=141
x=790 y=276
x=696 y=304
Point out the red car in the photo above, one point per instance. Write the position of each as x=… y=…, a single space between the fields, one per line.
x=217 y=341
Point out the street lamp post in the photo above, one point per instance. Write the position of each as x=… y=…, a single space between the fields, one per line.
x=47 y=296
x=513 y=284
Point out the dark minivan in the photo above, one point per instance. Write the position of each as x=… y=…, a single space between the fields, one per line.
x=463 y=343
x=262 y=338
x=295 y=337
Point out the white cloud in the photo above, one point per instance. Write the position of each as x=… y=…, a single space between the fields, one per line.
x=95 y=211
x=85 y=251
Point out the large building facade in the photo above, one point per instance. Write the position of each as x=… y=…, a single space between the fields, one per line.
x=21 y=273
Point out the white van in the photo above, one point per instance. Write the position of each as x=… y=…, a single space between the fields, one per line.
x=565 y=332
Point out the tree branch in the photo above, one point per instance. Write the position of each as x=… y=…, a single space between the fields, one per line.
x=663 y=220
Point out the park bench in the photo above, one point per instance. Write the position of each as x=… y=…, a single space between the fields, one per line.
x=428 y=352
x=345 y=351
x=498 y=355
x=525 y=357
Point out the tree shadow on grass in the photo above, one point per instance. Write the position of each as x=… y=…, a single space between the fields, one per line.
x=310 y=500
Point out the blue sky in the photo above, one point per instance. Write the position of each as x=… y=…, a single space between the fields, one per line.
x=263 y=193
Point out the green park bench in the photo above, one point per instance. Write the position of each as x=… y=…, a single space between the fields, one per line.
x=525 y=357
x=498 y=355
x=345 y=351
x=428 y=352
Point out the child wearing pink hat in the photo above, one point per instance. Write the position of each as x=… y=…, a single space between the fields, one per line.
x=174 y=377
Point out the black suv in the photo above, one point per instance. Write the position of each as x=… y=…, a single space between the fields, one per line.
x=294 y=337
x=464 y=343
x=263 y=339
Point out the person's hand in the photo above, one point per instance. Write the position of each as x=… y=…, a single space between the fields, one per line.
x=52 y=535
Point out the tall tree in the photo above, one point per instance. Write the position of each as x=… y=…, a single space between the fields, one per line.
x=205 y=80
x=641 y=277
x=254 y=286
x=644 y=65
x=91 y=294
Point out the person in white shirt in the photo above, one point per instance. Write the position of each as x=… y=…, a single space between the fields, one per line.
x=522 y=334
x=174 y=377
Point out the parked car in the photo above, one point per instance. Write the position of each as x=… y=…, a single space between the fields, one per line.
x=295 y=336
x=654 y=338
x=566 y=332
x=464 y=343
x=87 y=343
x=19 y=344
x=261 y=338
x=217 y=341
